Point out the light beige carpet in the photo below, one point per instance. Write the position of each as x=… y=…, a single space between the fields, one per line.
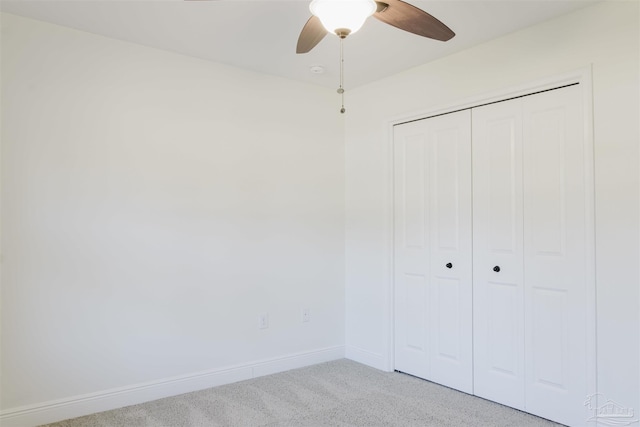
x=339 y=393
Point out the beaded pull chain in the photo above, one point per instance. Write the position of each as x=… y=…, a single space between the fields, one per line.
x=341 y=88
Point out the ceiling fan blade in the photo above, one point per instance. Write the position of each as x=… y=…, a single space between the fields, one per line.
x=409 y=18
x=312 y=33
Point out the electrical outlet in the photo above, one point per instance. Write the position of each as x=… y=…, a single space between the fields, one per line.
x=306 y=315
x=263 y=321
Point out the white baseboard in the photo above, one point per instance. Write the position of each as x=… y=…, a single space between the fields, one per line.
x=366 y=357
x=77 y=406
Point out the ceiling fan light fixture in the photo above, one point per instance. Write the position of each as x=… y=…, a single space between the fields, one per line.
x=342 y=17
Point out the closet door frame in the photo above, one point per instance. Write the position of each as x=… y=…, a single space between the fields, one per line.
x=581 y=77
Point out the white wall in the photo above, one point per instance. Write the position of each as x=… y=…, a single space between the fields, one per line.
x=605 y=36
x=153 y=205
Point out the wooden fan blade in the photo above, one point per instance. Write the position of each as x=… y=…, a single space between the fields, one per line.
x=409 y=18
x=312 y=33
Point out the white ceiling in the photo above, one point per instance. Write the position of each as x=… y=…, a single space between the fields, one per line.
x=261 y=35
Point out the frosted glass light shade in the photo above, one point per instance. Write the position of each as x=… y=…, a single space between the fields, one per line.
x=342 y=14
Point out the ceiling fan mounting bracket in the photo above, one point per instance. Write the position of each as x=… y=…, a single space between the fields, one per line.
x=343 y=32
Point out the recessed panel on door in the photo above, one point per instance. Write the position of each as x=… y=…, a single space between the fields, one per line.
x=550 y=311
x=502 y=330
x=446 y=344
x=413 y=187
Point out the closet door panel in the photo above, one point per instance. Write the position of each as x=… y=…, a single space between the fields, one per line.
x=555 y=232
x=451 y=320
x=498 y=253
x=411 y=250
x=432 y=198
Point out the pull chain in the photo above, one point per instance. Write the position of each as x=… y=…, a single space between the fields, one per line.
x=341 y=88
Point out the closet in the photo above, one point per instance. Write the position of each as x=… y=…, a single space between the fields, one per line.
x=492 y=238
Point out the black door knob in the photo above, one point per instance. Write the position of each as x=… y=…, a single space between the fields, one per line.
x=449 y=265
x=496 y=269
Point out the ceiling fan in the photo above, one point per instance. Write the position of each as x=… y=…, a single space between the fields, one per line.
x=344 y=17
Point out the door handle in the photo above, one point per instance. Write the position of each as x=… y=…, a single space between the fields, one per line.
x=449 y=265
x=496 y=269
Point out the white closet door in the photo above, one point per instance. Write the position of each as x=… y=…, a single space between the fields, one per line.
x=411 y=250
x=498 y=253
x=555 y=250
x=530 y=220
x=432 y=207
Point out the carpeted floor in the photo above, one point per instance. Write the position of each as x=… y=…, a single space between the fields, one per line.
x=339 y=393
